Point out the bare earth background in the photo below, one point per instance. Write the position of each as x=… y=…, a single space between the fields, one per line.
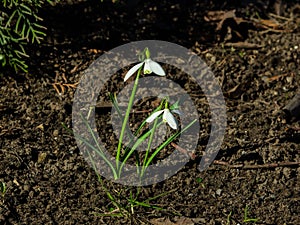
x=50 y=183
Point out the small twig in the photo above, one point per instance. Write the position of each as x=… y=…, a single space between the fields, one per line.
x=277 y=77
x=281 y=17
x=74 y=68
x=246 y=45
x=238 y=166
x=62 y=87
x=141 y=111
x=184 y=151
x=274 y=30
x=263 y=166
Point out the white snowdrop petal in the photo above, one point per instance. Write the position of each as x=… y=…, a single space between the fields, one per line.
x=153 y=116
x=132 y=71
x=170 y=119
x=147 y=68
x=156 y=68
x=176 y=111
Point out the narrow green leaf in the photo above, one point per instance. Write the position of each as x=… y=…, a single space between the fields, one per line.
x=26 y=9
x=17 y=25
x=168 y=141
x=8 y=23
x=98 y=149
x=20 y=54
x=39 y=26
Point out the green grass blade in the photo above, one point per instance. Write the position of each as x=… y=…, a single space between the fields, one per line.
x=98 y=147
x=147 y=205
x=160 y=195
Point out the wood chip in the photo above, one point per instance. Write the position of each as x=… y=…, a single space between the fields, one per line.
x=246 y=45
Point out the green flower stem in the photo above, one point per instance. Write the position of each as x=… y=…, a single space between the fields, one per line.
x=127 y=117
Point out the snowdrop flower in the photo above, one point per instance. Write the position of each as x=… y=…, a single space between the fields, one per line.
x=167 y=117
x=149 y=67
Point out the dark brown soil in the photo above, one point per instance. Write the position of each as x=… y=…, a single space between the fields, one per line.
x=48 y=180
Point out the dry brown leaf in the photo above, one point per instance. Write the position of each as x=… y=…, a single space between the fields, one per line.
x=227 y=15
x=270 y=23
x=230 y=26
x=214 y=16
x=218 y=15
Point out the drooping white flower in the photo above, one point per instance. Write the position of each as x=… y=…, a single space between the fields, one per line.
x=167 y=117
x=149 y=67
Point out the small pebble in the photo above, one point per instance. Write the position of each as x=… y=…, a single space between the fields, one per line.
x=219 y=191
x=26 y=187
x=55 y=133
